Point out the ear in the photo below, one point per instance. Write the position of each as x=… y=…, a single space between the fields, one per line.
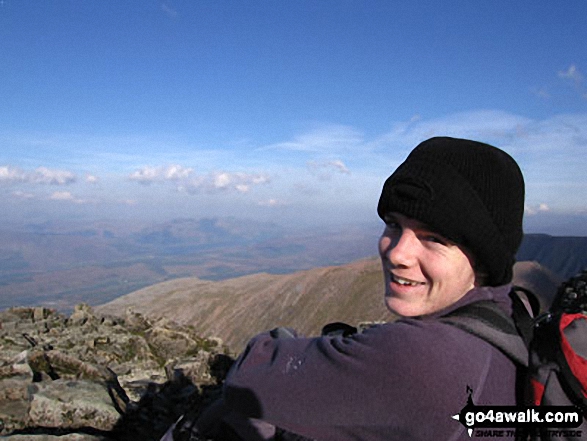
x=481 y=276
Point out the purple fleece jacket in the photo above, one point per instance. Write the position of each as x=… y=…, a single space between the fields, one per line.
x=398 y=381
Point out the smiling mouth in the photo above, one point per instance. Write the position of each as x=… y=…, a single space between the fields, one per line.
x=404 y=282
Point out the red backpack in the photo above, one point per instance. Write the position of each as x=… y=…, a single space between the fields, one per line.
x=558 y=350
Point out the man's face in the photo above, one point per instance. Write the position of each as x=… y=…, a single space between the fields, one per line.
x=424 y=272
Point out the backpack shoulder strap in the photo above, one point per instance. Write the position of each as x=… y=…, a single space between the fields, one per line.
x=486 y=320
x=525 y=308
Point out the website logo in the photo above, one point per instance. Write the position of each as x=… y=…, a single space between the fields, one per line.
x=483 y=420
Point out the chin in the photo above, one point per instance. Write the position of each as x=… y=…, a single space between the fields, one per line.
x=402 y=308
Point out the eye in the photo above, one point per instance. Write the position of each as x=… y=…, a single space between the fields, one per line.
x=436 y=239
x=393 y=226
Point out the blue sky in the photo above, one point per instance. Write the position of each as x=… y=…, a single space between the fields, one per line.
x=287 y=111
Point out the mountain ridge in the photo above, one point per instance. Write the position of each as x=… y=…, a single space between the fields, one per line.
x=238 y=308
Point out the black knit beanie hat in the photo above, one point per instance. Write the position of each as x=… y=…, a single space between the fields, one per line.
x=469 y=192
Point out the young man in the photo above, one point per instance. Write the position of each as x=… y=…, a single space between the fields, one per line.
x=453 y=223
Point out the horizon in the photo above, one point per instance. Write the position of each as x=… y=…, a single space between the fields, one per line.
x=286 y=112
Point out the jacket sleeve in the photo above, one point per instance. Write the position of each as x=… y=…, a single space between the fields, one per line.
x=362 y=380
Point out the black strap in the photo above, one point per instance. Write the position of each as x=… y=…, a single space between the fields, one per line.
x=487 y=312
x=523 y=320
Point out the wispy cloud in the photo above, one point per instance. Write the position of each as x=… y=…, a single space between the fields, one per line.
x=66 y=196
x=573 y=75
x=325 y=139
x=546 y=149
x=549 y=151
x=23 y=195
x=172 y=13
x=541 y=92
x=324 y=169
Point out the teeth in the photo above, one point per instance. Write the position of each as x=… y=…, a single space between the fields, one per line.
x=407 y=282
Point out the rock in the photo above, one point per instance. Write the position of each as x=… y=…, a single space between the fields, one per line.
x=14 y=404
x=40 y=313
x=93 y=378
x=81 y=315
x=136 y=322
x=168 y=343
x=70 y=404
x=69 y=437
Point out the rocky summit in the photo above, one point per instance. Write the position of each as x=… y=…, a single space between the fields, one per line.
x=89 y=377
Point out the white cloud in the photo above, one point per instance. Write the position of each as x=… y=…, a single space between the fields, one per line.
x=550 y=152
x=61 y=196
x=41 y=175
x=271 y=203
x=176 y=172
x=185 y=181
x=44 y=175
x=221 y=180
x=148 y=174
x=532 y=210
x=225 y=181
x=66 y=196
x=12 y=174
x=91 y=179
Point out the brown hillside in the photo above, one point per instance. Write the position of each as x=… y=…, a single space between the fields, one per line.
x=237 y=309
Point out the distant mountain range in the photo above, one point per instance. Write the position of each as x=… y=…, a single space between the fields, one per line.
x=565 y=256
x=60 y=264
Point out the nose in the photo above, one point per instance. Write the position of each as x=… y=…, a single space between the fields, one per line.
x=401 y=251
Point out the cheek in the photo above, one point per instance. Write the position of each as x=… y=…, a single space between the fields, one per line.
x=463 y=276
x=453 y=274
